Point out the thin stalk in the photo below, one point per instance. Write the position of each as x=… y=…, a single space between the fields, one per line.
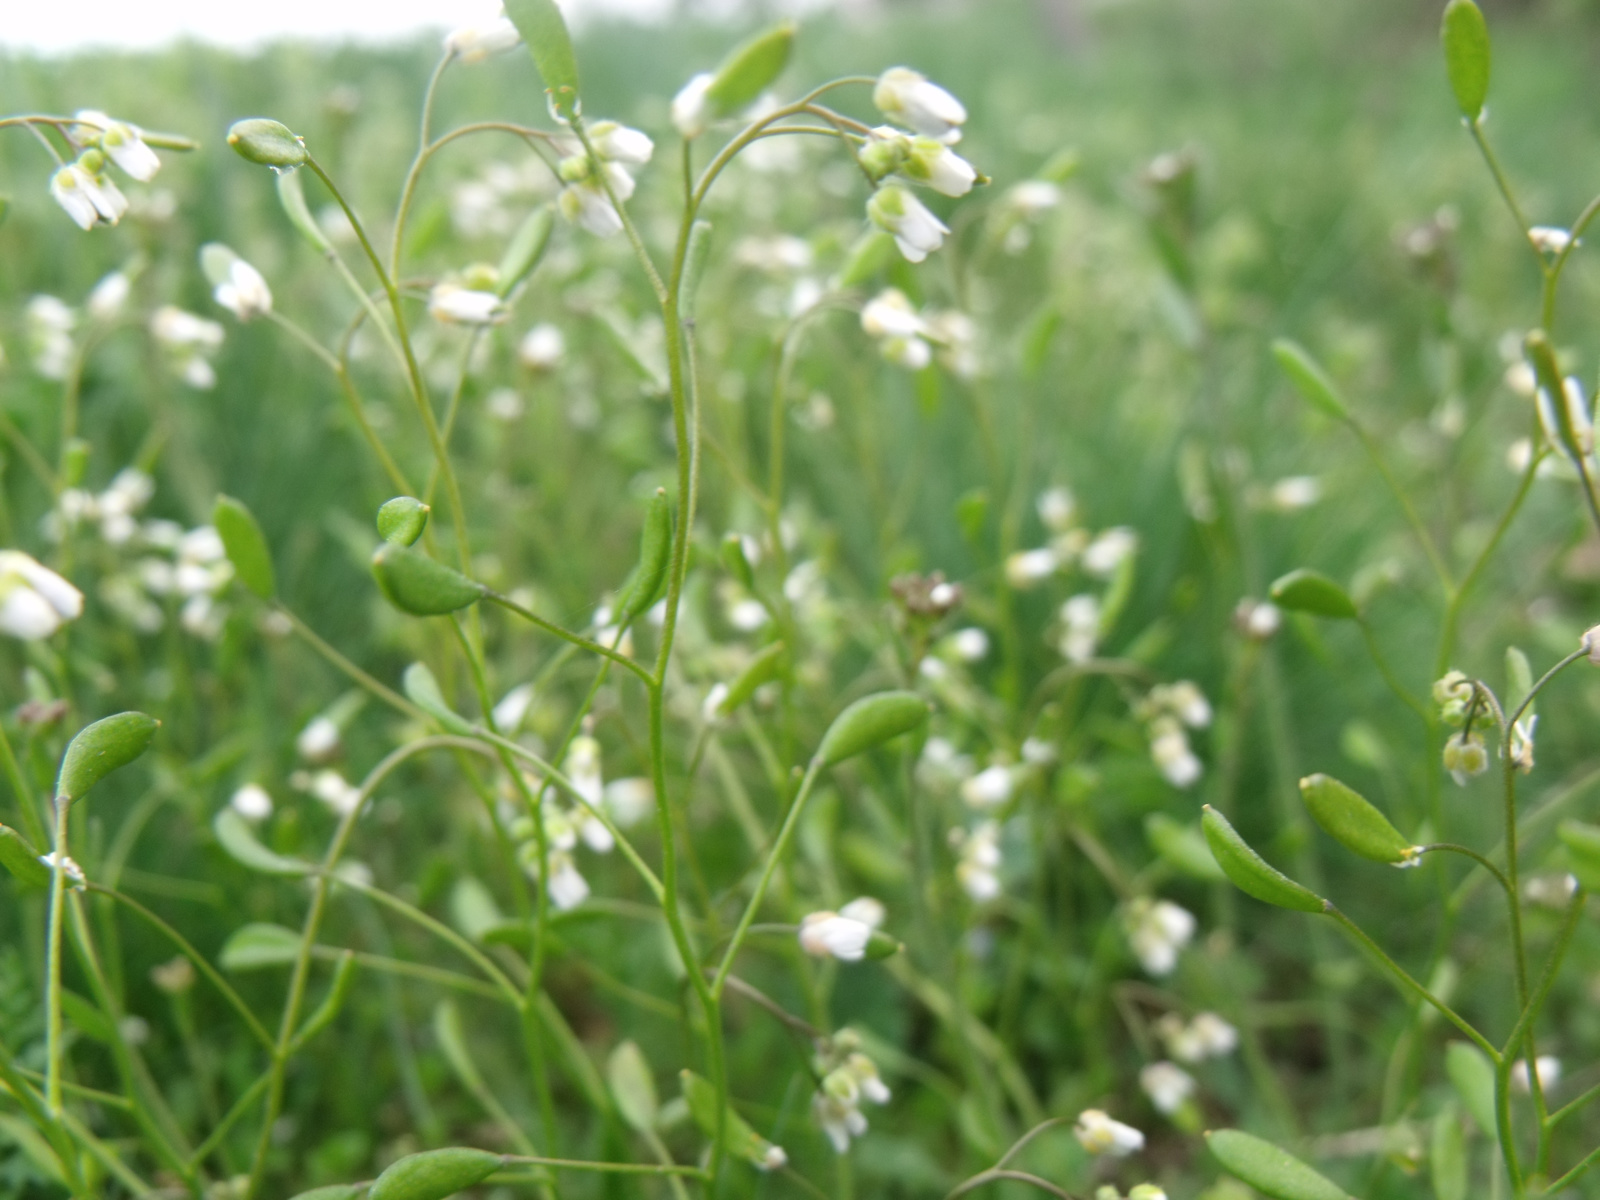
x=52 y=996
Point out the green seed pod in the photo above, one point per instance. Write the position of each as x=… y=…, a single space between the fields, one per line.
x=435 y=1174
x=21 y=860
x=738 y=565
x=870 y=722
x=633 y=1087
x=694 y=266
x=422 y=689
x=1310 y=379
x=1312 y=592
x=259 y=944
x=245 y=545
x=268 y=142
x=655 y=549
x=239 y=842
x=1465 y=36
x=101 y=748
x=1583 y=849
x=1472 y=1075
x=416 y=584
x=74 y=462
x=525 y=249
x=750 y=69
x=742 y=1140
x=1251 y=873
x=881 y=946
x=402 y=520
x=762 y=669
x=292 y=196
x=1352 y=821
x=1271 y=1171
x=545 y=33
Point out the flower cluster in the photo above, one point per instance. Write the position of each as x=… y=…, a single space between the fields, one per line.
x=584 y=200
x=848 y=1077
x=903 y=334
x=1205 y=1036
x=1157 y=930
x=84 y=187
x=1083 y=617
x=1168 y=711
x=919 y=152
x=189 y=342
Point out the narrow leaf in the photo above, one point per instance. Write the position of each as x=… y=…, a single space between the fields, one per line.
x=1312 y=592
x=422 y=689
x=238 y=840
x=1251 y=873
x=1465 y=35
x=655 y=548
x=246 y=547
x=21 y=860
x=1472 y=1075
x=541 y=25
x=633 y=1087
x=525 y=249
x=1271 y=1171
x=1310 y=379
x=452 y=1039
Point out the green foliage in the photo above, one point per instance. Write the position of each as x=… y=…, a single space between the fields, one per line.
x=1270 y=1170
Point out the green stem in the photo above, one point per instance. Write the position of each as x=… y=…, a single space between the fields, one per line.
x=52 y=997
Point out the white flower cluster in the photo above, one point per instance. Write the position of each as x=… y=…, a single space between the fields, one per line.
x=848 y=1077
x=1099 y=556
x=189 y=342
x=48 y=323
x=1100 y=1134
x=243 y=291
x=931 y=120
x=565 y=827
x=34 y=600
x=1168 y=1085
x=84 y=187
x=583 y=200
x=1205 y=1036
x=978 y=870
x=903 y=334
x=1157 y=930
x=1168 y=711
x=474 y=43
x=844 y=934
x=1464 y=752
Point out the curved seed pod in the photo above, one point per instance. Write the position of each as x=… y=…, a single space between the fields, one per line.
x=1309 y=379
x=333 y=1191
x=869 y=722
x=655 y=550
x=268 y=142
x=525 y=249
x=1352 y=821
x=101 y=748
x=633 y=1086
x=1251 y=873
x=239 y=842
x=545 y=32
x=762 y=669
x=292 y=196
x=402 y=520
x=416 y=584
x=750 y=69
x=733 y=557
x=259 y=944
x=435 y=1174
x=422 y=689
x=1271 y=1171
x=1465 y=36
x=245 y=545
x=1312 y=592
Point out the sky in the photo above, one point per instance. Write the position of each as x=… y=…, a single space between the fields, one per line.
x=142 y=24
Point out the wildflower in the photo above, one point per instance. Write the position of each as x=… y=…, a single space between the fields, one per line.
x=869 y=911
x=87 y=195
x=955 y=336
x=1213 y=1037
x=1257 y=620
x=456 y=305
x=34 y=600
x=916 y=230
x=541 y=348
x=978 y=872
x=582 y=767
x=108 y=296
x=1168 y=1085
x=1294 y=492
x=1465 y=756
x=1057 y=508
x=988 y=789
x=1453 y=693
x=568 y=888
x=1107 y=552
x=1033 y=196
x=890 y=318
x=690 y=111
x=319 y=740
x=1157 y=930
x=614 y=142
x=832 y=935
x=941 y=766
x=1080 y=627
x=189 y=340
x=251 y=802
x=884 y=152
x=908 y=98
x=586 y=204
x=175 y=976
x=474 y=43
x=1183 y=700
x=127 y=148
x=76 y=881
x=1547 y=1067
x=970 y=644
x=1549 y=239
x=508 y=715
x=1169 y=747
x=837 y=1101
x=334 y=790
x=244 y=292
x=1100 y=1134
x=49 y=325
x=1028 y=567
x=629 y=800
x=933 y=163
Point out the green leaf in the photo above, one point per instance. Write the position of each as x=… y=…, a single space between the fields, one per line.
x=1447 y=1156
x=1472 y=1074
x=472 y=908
x=633 y=1087
x=1271 y=1171
x=870 y=722
x=1583 y=849
x=422 y=689
x=267 y=142
x=259 y=944
x=763 y=668
x=545 y=32
x=1312 y=592
x=1465 y=35
x=1182 y=847
x=101 y=748
x=655 y=550
x=246 y=547
x=239 y=842
x=742 y=1140
x=34 y=1148
x=750 y=69
x=1251 y=873
x=525 y=249
x=416 y=584
x=21 y=860
x=1310 y=379
x=435 y=1174
x=87 y=1018
x=402 y=520
x=1352 y=821
x=872 y=253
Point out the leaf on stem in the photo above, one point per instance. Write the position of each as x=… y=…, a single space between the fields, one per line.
x=239 y=842
x=633 y=1086
x=1472 y=1075
x=257 y=945
x=21 y=860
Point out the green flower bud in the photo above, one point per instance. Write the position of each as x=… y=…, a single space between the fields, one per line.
x=268 y=142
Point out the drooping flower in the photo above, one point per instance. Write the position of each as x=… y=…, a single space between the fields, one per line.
x=614 y=142
x=541 y=348
x=836 y=1105
x=453 y=304
x=244 y=292
x=1100 y=1134
x=127 y=148
x=978 y=871
x=107 y=297
x=251 y=802
x=691 y=112
x=34 y=600
x=917 y=232
x=908 y=98
x=474 y=43
x=933 y=163
x=1157 y=930
x=828 y=934
x=1168 y=1085
x=989 y=788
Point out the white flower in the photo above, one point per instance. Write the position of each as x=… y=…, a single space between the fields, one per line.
x=568 y=888
x=970 y=644
x=244 y=292
x=1188 y=703
x=956 y=336
x=1028 y=567
x=890 y=314
x=70 y=869
x=1295 y=492
x=109 y=295
x=128 y=150
x=941 y=168
x=586 y=204
x=1547 y=1066
x=1258 y=621
x=831 y=935
x=836 y=1105
x=1057 y=508
x=334 y=790
x=34 y=600
x=1106 y=553
x=504 y=404
x=1169 y=747
x=1213 y=1036
x=456 y=305
x=1080 y=627
x=989 y=788
x=49 y=323
x=1464 y=756
x=319 y=740
x=513 y=707
x=1168 y=1086
x=916 y=231
x=618 y=143
x=711 y=707
x=906 y=97
x=74 y=189
x=251 y=802
x=629 y=800
x=474 y=43
x=541 y=348
x=1157 y=930
x=582 y=767
x=1549 y=239
x=1034 y=196
x=690 y=111
x=1099 y=1134
x=866 y=909
x=910 y=353
x=978 y=872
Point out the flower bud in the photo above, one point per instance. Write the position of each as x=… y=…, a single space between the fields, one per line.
x=268 y=142
x=1465 y=756
x=402 y=520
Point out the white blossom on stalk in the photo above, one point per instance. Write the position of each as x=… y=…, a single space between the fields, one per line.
x=1080 y=627
x=108 y=296
x=836 y=1105
x=917 y=232
x=568 y=888
x=337 y=792
x=474 y=43
x=956 y=336
x=1157 y=930
x=908 y=98
x=1168 y=1085
x=970 y=644
x=630 y=800
x=1034 y=196
x=1214 y=1037
x=690 y=111
x=34 y=600
x=586 y=204
x=1028 y=567
x=614 y=142
x=1169 y=748
x=244 y=292
x=126 y=147
x=251 y=802
x=1100 y=1134
x=866 y=909
x=541 y=348
x=87 y=196
x=1465 y=756
x=1549 y=239
x=513 y=707
x=933 y=163
x=989 y=788
x=1108 y=550
x=453 y=304
x=1058 y=509
x=49 y=322
x=582 y=767
x=831 y=935
x=978 y=871
x=319 y=740
x=190 y=340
